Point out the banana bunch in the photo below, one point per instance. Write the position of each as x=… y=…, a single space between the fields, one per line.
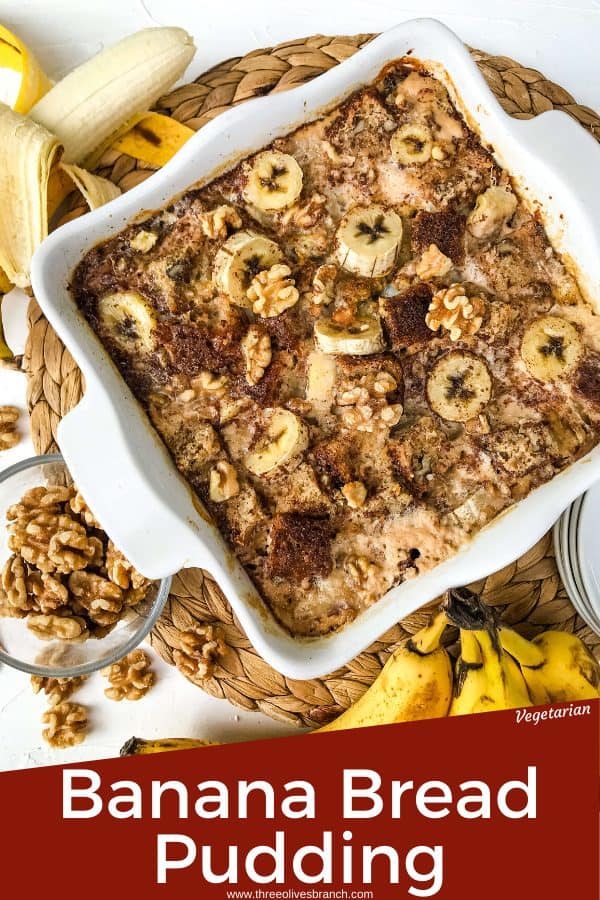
x=500 y=669
x=497 y=669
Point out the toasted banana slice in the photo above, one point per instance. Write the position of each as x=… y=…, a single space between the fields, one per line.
x=368 y=241
x=241 y=257
x=459 y=386
x=274 y=182
x=363 y=337
x=551 y=348
x=411 y=144
x=286 y=436
x=129 y=319
x=320 y=377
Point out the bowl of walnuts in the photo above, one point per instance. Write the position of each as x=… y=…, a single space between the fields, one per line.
x=70 y=602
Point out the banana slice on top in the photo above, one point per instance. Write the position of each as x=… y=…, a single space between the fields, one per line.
x=274 y=181
x=551 y=348
x=459 y=386
x=411 y=144
x=241 y=257
x=286 y=436
x=362 y=338
x=368 y=241
x=129 y=319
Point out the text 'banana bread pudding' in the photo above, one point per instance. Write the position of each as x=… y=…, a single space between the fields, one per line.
x=358 y=346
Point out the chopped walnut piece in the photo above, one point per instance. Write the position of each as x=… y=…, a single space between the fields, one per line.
x=366 y=408
x=130 y=678
x=46 y=591
x=67 y=723
x=224 y=482
x=355 y=494
x=100 y=598
x=198 y=651
x=272 y=291
x=256 y=347
x=360 y=569
x=9 y=436
x=143 y=241
x=215 y=223
x=56 y=689
x=63 y=628
x=304 y=215
x=452 y=310
x=323 y=284
x=433 y=264
x=81 y=509
x=14 y=584
x=494 y=207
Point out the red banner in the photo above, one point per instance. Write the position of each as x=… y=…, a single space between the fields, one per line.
x=497 y=805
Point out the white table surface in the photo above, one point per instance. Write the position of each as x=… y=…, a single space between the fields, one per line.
x=559 y=37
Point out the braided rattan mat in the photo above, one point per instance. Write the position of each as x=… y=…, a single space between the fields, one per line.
x=528 y=592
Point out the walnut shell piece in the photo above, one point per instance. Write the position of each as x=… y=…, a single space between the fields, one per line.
x=452 y=310
x=198 y=651
x=130 y=678
x=67 y=724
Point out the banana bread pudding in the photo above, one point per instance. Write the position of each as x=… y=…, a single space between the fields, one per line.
x=358 y=346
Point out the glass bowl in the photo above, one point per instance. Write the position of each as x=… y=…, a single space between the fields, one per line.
x=19 y=647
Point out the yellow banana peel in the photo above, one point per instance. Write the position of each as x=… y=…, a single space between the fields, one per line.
x=152 y=138
x=16 y=56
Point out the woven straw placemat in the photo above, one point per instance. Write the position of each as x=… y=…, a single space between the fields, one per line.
x=528 y=593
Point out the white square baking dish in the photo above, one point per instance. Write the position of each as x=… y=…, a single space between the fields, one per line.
x=120 y=463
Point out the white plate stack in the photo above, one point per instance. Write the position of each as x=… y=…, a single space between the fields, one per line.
x=577 y=548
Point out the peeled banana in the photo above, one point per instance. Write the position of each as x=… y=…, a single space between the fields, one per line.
x=96 y=98
x=320 y=378
x=241 y=257
x=459 y=386
x=363 y=337
x=129 y=320
x=368 y=241
x=551 y=348
x=285 y=437
x=274 y=181
x=415 y=683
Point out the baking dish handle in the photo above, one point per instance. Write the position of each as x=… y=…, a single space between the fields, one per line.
x=131 y=485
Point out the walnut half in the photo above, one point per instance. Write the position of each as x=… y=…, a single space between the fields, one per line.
x=198 y=651
x=130 y=678
x=452 y=310
x=66 y=723
x=9 y=436
x=273 y=291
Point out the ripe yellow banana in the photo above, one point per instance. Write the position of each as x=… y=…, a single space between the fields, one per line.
x=140 y=746
x=487 y=678
x=415 y=683
x=557 y=666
